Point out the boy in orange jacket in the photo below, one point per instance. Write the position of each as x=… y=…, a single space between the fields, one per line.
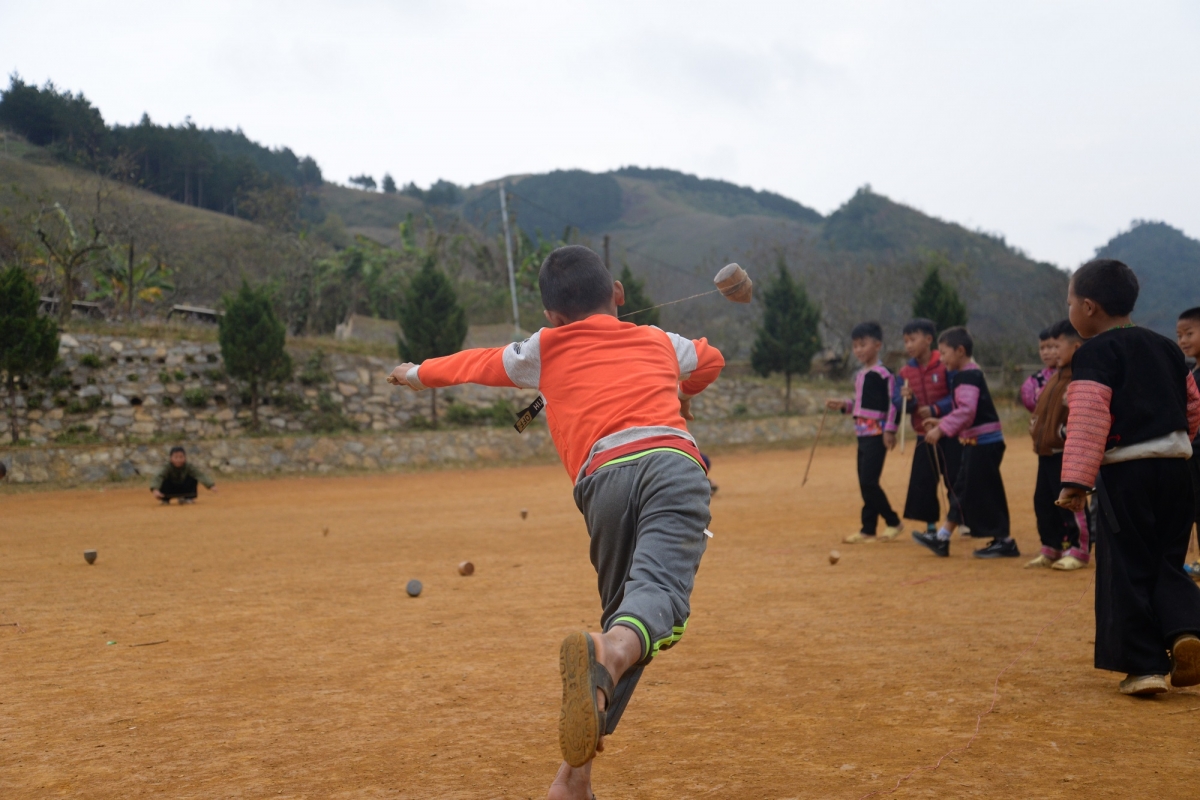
x=617 y=397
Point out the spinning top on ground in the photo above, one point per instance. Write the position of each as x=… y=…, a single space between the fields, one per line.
x=89 y=556
x=524 y=513
x=466 y=568
x=413 y=588
x=734 y=283
x=834 y=556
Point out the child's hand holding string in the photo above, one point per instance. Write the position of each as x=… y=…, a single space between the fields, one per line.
x=933 y=432
x=1071 y=498
x=399 y=376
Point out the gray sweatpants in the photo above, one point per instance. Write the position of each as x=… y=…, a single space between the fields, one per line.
x=646 y=519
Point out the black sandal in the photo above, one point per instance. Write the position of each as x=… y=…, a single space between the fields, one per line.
x=581 y=721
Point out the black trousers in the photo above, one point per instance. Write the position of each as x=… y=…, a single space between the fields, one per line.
x=871 y=455
x=1194 y=469
x=183 y=489
x=1144 y=599
x=921 y=502
x=1054 y=524
x=978 y=499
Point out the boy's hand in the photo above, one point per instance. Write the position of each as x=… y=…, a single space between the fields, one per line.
x=685 y=407
x=834 y=405
x=889 y=440
x=1071 y=498
x=906 y=392
x=157 y=494
x=399 y=376
x=929 y=424
x=933 y=434
x=925 y=412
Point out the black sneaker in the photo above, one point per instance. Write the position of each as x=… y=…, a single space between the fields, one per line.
x=939 y=547
x=1000 y=548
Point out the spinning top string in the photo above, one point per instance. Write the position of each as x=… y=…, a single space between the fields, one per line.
x=732 y=282
x=668 y=303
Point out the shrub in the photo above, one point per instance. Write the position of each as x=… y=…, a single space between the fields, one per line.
x=91 y=360
x=61 y=401
x=417 y=422
x=168 y=401
x=215 y=375
x=740 y=410
x=164 y=378
x=180 y=375
x=460 y=414
x=59 y=382
x=314 y=373
x=289 y=400
x=196 y=398
x=35 y=399
x=131 y=378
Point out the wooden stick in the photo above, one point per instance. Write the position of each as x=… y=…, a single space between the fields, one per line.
x=903 y=418
x=813 y=452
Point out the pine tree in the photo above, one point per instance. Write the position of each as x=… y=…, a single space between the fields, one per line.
x=938 y=301
x=636 y=300
x=788 y=336
x=433 y=322
x=28 y=343
x=252 y=339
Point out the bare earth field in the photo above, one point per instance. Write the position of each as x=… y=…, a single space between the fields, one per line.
x=234 y=649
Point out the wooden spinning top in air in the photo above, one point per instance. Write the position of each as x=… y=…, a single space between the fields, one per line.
x=734 y=283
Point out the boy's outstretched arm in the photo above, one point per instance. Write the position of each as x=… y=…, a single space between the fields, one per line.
x=699 y=365
x=517 y=365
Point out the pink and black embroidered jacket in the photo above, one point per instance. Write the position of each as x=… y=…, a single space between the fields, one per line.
x=1132 y=397
x=872 y=406
x=974 y=414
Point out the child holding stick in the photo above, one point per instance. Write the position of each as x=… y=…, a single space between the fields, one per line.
x=1187 y=332
x=978 y=498
x=875 y=426
x=923 y=390
x=1134 y=412
x=617 y=397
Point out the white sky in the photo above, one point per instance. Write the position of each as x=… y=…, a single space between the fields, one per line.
x=1053 y=123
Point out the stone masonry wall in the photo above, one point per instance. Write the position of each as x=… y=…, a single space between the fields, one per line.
x=81 y=464
x=123 y=390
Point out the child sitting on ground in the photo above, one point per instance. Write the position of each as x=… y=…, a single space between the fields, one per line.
x=978 y=498
x=179 y=479
x=1134 y=412
x=923 y=390
x=1048 y=427
x=1035 y=384
x=875 y=426
x=1187 y=332
x=616 y=396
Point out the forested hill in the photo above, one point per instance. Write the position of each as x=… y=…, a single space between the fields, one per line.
x=1167 y=263
x=215 y=169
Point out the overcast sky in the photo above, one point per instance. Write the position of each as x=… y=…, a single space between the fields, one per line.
x=1055 y=124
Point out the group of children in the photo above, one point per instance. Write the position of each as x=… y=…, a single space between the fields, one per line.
x=959 y=439
x=1115 y=418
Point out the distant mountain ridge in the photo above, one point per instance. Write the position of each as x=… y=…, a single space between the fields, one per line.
x=1167 y=263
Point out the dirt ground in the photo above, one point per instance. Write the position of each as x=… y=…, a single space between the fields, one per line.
x=235 y=649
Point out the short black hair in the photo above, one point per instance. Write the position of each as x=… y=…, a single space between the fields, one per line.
x=920 y=325
x=574 y=282
x=1109 y=283
x=867 y=330
x=957 y=337
x=1064 y=328
x=176 y=449
x=1192 y=314
x=1047 y=333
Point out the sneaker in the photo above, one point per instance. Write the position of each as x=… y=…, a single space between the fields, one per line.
x=166 y=501
x=890 y=533
x=858 y=538
x=1143 y=685
x=1000 y=548
x=1069 y=562
x=1185 y=660
x=964 y=531
x=1193 y=569
x=939 y=547
x=186 y=501
x=1041 y=561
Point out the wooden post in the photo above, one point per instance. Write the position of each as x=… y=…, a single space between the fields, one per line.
x=512 y=276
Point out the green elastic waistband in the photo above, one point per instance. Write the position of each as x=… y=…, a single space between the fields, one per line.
x=636 y=456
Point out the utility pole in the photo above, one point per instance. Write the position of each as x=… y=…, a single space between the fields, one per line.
x=606 y=263
x=512 y=275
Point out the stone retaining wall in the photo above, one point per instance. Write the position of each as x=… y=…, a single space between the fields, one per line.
x=122 y=390
x=83 y=464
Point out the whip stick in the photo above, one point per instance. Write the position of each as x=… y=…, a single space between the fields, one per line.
x=813 y=452
x=903 y=419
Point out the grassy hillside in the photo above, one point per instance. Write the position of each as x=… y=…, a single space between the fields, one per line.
x=1167 y=263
